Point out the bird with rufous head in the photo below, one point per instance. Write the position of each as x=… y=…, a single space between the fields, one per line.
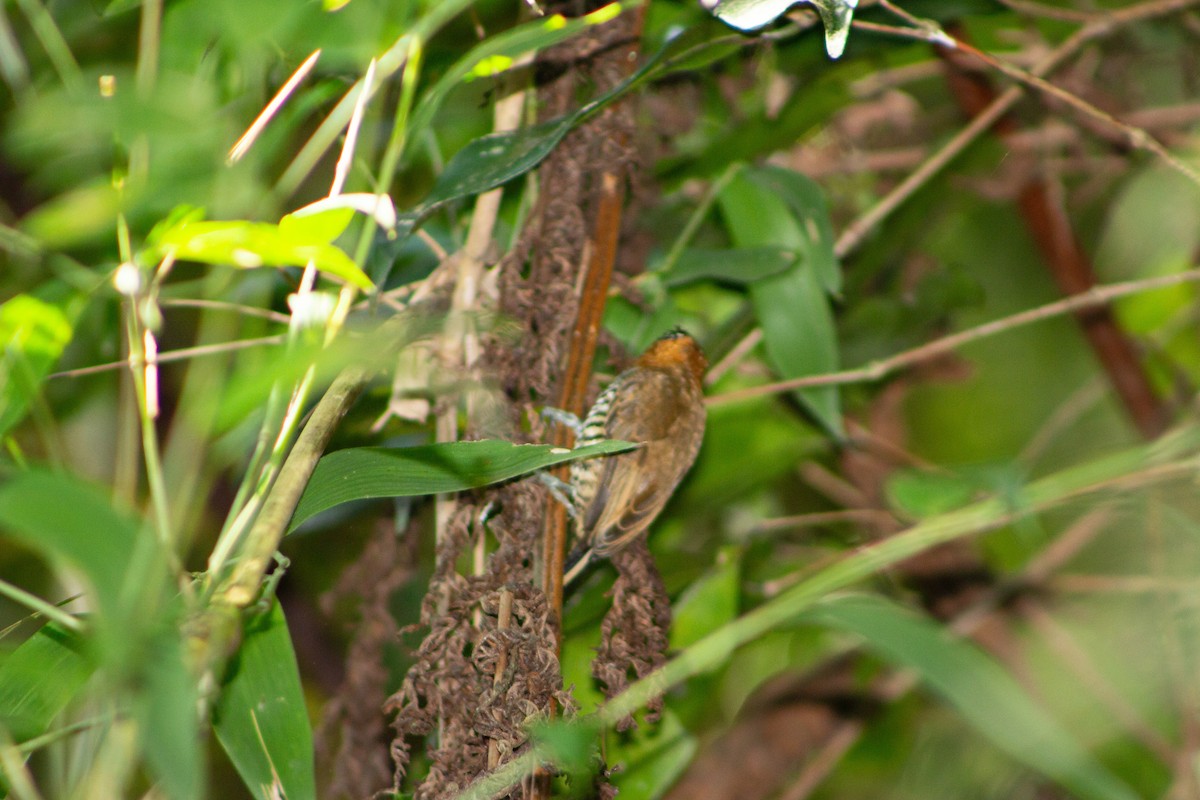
x=658 y=403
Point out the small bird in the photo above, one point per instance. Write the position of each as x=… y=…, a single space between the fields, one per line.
x=657 y=403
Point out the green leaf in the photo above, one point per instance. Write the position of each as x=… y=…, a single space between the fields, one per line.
x=568 y=744
x=655 y=759
x=367 y=472
x=39 y=679
x=495 y=159
x=739 y=265
x=806 y=200
x=925 y=494
x=34 y=335
x=836 y=15
x=257 y=244
x=979 y=688
x=73 y=522
x=324 y=225
x=168 y=710
x=792 y=306
x=260 y=718
x=497 y=53
x=709 y=602
x=488 y=162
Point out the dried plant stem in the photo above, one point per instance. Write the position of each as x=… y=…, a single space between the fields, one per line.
x=503 y=620
x=1098 y=296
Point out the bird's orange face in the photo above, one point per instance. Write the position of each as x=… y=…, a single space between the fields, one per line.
x=675 y=350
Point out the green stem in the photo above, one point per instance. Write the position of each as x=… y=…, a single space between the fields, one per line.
x=37 y=604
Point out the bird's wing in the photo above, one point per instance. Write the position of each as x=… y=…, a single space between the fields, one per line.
x=628 y=496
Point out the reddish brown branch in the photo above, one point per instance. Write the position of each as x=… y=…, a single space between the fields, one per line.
x=599 y=257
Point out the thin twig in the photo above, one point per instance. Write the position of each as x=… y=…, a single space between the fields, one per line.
x=1137 y=137
x=734 y=356
x=178 y=355
x=854 y=233
x=1098 y=296
x=221 y=305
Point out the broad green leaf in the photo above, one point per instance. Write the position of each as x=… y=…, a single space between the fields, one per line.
x=327 y=218
x=168 y=710
x=34 y=334
x=72 y=522
x=257 y=244
x=807 y=202
x=366 y=472
x=261 y=718
x=708 y=603
x=325 y=225
x=488 y=162
x=979 y=688
x=836 y=16
x=792 y=306
x=735 y=265
x=39 y=679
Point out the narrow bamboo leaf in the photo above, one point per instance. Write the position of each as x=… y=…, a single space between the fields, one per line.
x=740 y=265
x=256 y=244
x=39 y=679
x=260 y=718
x=366 y=472
x=792 y=306
x=979 y=688
x=167 y=710
x=34 y=334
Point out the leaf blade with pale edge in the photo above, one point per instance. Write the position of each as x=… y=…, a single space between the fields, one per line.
x=360 y=473
x=260 y=717
x=977 y=686
x=28 y=701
